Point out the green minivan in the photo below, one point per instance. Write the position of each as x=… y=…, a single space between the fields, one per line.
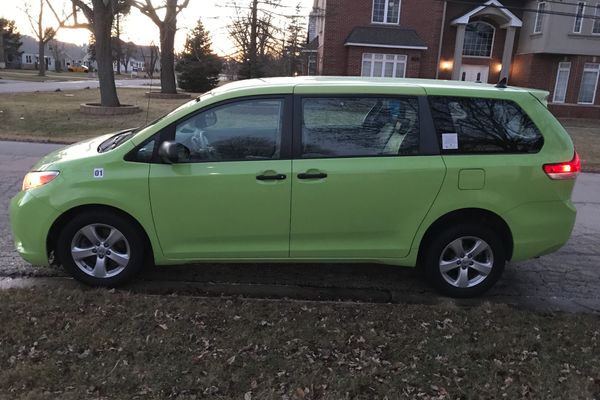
x=453 y=177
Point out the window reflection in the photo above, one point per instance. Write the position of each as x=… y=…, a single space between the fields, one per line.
x=245 y=130
x=485 y=125
x=346 y=127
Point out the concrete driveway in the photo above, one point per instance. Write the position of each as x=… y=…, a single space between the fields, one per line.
x=567 y=280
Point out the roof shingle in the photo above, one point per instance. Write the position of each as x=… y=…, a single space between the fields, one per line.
x=384 y=36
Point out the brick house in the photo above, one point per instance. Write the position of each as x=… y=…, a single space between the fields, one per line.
x=548 y=45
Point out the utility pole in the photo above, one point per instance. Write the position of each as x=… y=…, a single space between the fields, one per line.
x=2 y=63
x=253 y=32
x=118 y=41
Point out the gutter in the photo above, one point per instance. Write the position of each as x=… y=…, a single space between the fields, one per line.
x=439 y=57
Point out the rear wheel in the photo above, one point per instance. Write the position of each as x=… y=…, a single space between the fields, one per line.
x=465 y=260
x=101 y=248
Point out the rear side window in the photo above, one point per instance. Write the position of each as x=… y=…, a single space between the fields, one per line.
x=478 y=125
x=354 y=127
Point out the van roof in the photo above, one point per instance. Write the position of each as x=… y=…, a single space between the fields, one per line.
x=430 y=86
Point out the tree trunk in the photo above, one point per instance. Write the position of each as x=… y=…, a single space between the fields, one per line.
x=42 y=60
x=167 y=56
x=102 y=33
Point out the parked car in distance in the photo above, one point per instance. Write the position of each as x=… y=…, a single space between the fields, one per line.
x=456 y=178
x=77 y=68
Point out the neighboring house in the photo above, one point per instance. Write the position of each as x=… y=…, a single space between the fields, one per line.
x=29 y=57
x=57 y=55
x=460 y=40
x=140 y=59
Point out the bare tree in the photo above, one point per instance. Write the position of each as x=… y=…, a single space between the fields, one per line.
x=58 y=52
x=254 y=36
x=150 y=59
x=117 y=39
x=43 y=35
x=2 y=62
x=167 y=28
x=100 y=15
x=127 y=53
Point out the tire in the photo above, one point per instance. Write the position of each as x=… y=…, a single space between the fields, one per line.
x=464 y=260
x=85 y=252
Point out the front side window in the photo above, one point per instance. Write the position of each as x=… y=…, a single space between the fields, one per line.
x=479 y=39
x=579 y=17
x=589 y=83
x=383 y=65
x=477 y=125
x=539 y=17
x=352 y=127
x=562 y=82
x=596 y=27
x=244 y=130
x=386 y=11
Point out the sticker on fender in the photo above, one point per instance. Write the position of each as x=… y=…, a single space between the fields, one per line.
x=98 y=172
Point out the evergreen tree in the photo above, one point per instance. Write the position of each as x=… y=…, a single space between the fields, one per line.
x=198 y=66
x=294 y=43
x=11 y=39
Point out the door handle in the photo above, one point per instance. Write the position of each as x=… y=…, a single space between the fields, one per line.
x=316 y=175
x=276 y=177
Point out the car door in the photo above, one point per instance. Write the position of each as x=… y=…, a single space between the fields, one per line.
x=366 y=170
x=228 y=197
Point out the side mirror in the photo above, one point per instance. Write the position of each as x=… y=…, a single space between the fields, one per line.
x=172 y=152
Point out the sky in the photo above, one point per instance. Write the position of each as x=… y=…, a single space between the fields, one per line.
x=215 y=15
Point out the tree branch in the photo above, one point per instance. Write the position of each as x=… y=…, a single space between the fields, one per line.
x=148 y=10
x=87 y=11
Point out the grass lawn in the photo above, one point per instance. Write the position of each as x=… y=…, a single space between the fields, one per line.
x=586 y=136
x=55 y=116
x=74 y=344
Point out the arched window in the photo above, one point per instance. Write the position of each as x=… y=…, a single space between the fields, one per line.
x=479 y=38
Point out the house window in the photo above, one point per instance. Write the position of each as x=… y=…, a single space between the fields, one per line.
x=562 y=82
x=384 y=65
x=579 y=17
x=596 y=28
x=28 y=59
x=386 y=11
x=479 y=40
x=589 y=83
x=539 y=17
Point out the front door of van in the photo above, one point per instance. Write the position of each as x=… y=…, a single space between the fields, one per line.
x=229 y=195
x=361 y=184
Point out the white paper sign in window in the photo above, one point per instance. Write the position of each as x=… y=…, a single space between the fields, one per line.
x=449 y=141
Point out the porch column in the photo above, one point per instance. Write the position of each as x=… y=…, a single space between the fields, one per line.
x=458 y=51
x=508 y=51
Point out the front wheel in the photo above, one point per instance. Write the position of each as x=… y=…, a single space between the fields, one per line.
x=101 y=249
x=465 y=260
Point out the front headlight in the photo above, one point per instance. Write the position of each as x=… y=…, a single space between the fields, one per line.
x=38 y=178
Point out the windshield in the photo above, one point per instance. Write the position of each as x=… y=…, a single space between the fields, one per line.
x=181 y=107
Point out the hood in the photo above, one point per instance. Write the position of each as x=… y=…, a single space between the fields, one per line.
x=75 y=151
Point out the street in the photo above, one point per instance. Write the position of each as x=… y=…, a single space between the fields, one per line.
x=567 y=280
x=9 y=86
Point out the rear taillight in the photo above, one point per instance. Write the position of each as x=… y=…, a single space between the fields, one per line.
x=564 y=170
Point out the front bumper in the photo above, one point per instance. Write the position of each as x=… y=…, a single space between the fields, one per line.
x=31 y=219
